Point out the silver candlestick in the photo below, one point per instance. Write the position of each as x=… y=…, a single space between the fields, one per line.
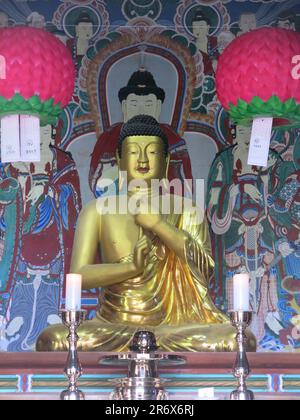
x=241 y=320
x=73 y=369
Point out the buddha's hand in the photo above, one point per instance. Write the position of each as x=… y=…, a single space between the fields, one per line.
x=140 y=255
x=148 y=218
x=148 y=221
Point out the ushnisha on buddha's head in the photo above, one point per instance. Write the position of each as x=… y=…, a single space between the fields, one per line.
x=143 y=150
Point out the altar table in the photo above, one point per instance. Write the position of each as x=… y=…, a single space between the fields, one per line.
x=40 y=375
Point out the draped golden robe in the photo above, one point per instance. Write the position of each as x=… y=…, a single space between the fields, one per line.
x=171 y=299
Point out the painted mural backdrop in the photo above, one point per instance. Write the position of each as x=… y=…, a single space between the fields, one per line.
x=172 y=49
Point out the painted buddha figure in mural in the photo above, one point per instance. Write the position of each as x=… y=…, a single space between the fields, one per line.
x=208 y=47
x=247 y=23
x=205 y=43
x=155 y=265
x=84 y=31
x=286 y=20
x=36 y=20
x=141 y=95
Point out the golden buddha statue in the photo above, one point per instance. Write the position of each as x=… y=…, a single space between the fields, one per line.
x=155 y=264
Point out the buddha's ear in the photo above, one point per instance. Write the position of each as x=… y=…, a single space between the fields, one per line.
x=158 y=109
x=124 y=110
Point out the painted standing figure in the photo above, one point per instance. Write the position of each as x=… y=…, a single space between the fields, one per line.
x=48 y=203
x=238 y=213
x=284 y=216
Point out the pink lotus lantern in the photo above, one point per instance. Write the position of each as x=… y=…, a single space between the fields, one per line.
x=258 y=75
x=37 y=77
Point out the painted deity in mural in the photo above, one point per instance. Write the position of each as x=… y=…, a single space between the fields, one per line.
x=84 y=31
x=140 y=96
x=205 y=43
x=36 y=20
x=285 y=219
x=247 y=23
x=38 y=217
x=286 y=20
x=238 y=213
x=208 y=47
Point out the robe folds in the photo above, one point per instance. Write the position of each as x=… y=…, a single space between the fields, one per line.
x=171 y=299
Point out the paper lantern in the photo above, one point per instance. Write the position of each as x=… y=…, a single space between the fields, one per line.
x=38 y=73
x=258 y=75
x=37 y=78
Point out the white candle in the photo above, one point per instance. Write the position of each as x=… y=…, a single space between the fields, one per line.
x=241 y=293
x=73 y=292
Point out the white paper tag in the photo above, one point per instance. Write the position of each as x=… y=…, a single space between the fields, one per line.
x=30 y=138
x=260 y=141
x=10 y=139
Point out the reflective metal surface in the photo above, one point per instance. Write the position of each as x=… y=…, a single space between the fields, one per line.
x=143 y=382
x=241 y=320
x=73 y=369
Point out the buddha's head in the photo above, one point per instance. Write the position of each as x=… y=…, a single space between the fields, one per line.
x=84 y=27
x=36 y=20
x=286 y=20
x=200 y=25
x=143 y=150
x=247 y=22
x=141 y=96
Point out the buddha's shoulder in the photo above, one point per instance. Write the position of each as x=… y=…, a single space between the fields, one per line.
x=185 y=202
x=89 y=209
x=187 y=207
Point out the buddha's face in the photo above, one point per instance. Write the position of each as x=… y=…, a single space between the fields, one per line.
x=143 y=158
x=141 y=105
x=200 y=29
x=84 y=30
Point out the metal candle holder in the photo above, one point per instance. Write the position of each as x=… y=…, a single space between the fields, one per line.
x=241 y=320
x=73 y=369
x=143 y=381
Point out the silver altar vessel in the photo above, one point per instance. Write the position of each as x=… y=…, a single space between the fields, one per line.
x=143 y=360
x=73 y=370
x=241 y=320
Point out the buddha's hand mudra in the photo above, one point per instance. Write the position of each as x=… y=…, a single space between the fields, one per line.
x=140 y=255
x=148 y=218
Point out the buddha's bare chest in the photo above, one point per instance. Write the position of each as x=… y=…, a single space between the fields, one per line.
x=119 y=235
